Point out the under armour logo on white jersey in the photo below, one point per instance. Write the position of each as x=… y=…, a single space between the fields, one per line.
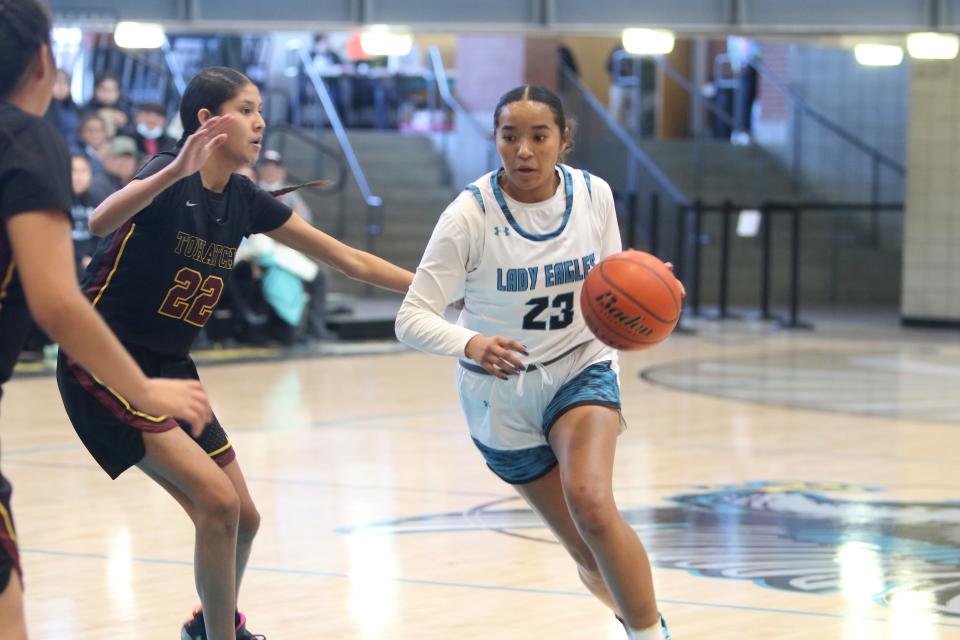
x=506 y=231
x=191 y=204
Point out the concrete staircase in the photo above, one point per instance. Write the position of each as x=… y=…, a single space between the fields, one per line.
x=405 y=171
x=845 y=259
x=744 y=174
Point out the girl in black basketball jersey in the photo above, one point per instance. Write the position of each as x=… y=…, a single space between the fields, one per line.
x=37 y=273
x=156 y=279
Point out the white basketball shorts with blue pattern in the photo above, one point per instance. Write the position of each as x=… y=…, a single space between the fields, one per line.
x=510 y=420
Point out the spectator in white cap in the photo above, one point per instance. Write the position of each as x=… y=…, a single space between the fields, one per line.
x=273 y=176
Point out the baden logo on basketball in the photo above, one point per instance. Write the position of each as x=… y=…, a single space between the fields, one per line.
x=608 y=304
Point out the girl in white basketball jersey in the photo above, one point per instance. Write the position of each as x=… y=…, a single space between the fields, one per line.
x=540 y=393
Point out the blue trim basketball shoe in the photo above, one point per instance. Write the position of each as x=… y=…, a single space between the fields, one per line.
x=663 y=627
x=193 y=628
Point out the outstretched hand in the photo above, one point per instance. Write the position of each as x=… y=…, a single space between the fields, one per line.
x=495 y=355
x=201 y=144
x=182 y=399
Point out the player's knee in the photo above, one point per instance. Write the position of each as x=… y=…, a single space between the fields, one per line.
x=593 y=509
x=249 y=522
x=220 y=505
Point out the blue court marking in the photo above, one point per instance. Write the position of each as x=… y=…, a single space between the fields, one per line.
x=353 y=421
x=480 y=587
x=790 y=612
x=50 y=448
x=304 y=426
x=819 y=454
x=297 y=482
x=292 y=482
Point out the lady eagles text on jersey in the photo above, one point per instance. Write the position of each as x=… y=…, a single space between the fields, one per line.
x=525 y=278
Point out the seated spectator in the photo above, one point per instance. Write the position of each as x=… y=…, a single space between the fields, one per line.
x=151 y=123
x=63 y=111
x=280 y=277
x=108 y=103
x=83 y=205
x=273 y=175
x=119 y=166
x=235 y=320
x=277 y=294
x=92 y=141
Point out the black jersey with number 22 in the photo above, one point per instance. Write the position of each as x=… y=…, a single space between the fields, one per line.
x=157 y=279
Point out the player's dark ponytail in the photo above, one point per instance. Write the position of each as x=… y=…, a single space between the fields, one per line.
x=313 y=184
x=208 y=90
x=536 y=93
x=24 y=28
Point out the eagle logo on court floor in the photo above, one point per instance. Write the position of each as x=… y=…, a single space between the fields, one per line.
x=809 y=537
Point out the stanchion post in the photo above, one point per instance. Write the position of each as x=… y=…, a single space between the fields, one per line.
x=726 y=214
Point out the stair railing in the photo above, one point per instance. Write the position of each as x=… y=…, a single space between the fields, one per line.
x=374 y=203
x=441 y=88
x=643 y=192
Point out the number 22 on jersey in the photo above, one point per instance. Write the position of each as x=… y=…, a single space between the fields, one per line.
x=192 y=297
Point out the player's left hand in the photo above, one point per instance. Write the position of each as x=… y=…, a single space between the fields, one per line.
x=683 y=289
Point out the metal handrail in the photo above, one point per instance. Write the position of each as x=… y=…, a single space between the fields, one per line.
x=799 y=102
x=691 y=88
x=443 y=88
x=638 y=154
x=439 y=74
x=319 y=147
x=173 y=67
x=338 y=129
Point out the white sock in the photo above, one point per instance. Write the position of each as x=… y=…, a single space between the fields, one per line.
x=650 y=633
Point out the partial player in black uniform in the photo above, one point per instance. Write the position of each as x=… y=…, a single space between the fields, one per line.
x=156 y=279
x=37 y=273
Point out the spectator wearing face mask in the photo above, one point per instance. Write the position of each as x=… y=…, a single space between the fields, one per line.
x=150 y=120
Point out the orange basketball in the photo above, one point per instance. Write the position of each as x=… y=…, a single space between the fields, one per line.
x=631 y=300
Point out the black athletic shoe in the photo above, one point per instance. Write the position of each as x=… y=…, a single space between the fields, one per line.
x=193 y=628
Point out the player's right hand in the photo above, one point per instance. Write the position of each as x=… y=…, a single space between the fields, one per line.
x=494 y=354
x=183 y=399
x=201 y=144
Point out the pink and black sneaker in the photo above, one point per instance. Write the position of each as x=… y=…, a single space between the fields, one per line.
x=193 y=628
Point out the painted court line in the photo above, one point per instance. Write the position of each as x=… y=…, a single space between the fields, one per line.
x=472 y=586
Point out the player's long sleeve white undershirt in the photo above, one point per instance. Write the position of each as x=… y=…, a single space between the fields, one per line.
x=456 y=248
